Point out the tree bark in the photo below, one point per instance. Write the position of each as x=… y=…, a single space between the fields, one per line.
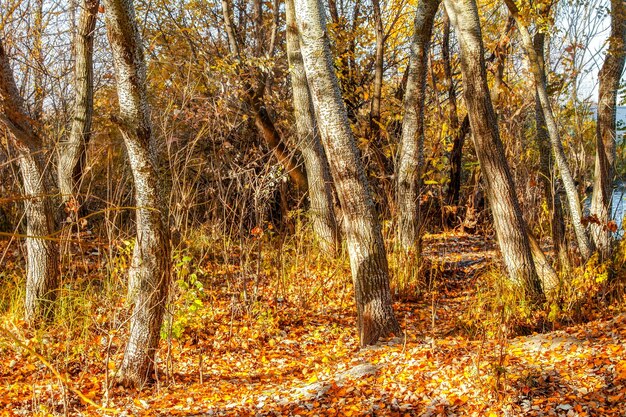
x=609 y=78
x=42 y=267
x=378 y=72
x=73 y=151
x=584 y=244
x=508 y=221
x=39 y=65
x=456 y=154
x=150 y=269
x=411 y=148
x=318 y=172
x=368 y=260
x=546 y=171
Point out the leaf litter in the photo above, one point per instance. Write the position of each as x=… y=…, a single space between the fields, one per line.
x=290 y=357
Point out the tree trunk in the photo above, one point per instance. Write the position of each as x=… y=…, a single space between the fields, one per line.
x=508 y=221
x=42 y=268
x=368 y=260
x=150 y=269
x=584 y=244
x=609 y=79
x=265 y=125
x=411 y=149
x=318 y=172
x=39 y=64
x=378 y=72
x=456 y=161
x=546 y=171
x=72 y=152
x=456 y=154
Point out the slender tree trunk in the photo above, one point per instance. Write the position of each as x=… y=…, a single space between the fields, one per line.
x=150 y=270
x=318 y=172
x=584 y=244
x=378 y=72
x=411 y=149
x=265 y=125
x=368 y=260
x=546 y=170
x=227 y=14
x=72 y=152
x=42 y=268
x=456 y=154
x=456 y=161
x=609 y=78
x=500 y=54
x=508 y=221
x=37 y=56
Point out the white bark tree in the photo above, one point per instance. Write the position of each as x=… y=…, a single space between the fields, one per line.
x=321 y=210
x=42 y=263
x=511 y=229
x=72 y=152
x=411 y=150
x=150 y=269
x=585 y=246
x=368 y=260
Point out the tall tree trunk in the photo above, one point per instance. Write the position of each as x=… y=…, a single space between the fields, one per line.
x=546 y=170
x=456 y=154
x=507 y=216
x=318 y=172
x=609 y=78
x=72 y=152
x=42 y=268
x=150 y=269
x=227 y=14
x=584 y=244
x=368 y=260
x=378 y=72
x=39 y=67
x=411 y=149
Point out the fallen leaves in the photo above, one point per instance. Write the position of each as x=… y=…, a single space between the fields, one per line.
x=281 y=358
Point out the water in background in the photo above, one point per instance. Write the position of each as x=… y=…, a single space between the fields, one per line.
x=618 y=207
x=619 y=200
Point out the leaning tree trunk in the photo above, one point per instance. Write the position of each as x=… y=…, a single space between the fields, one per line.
x=609 y=78
x=507 y=216
x=254 y=97
x=368 y=260
x=150 y=268
x=318 y=172
x=546 y=170
x=42 y=268
x=72 y=152
x=584 y=244
x=411 y=148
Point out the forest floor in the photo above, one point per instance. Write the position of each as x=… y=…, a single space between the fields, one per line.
x=295 y=351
